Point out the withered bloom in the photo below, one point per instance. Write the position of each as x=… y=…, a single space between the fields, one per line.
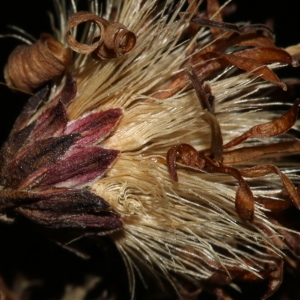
x=163 y=135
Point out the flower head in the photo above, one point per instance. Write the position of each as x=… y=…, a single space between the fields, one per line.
x=162 y=136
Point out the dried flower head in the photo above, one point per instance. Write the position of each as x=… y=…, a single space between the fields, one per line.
x=162 y=137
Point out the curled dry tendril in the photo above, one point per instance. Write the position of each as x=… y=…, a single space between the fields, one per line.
x=30 y=66
x=206 y=160
x=114 y=39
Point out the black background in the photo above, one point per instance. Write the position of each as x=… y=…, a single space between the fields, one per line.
x=32 y=17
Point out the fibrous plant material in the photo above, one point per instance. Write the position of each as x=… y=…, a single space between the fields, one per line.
x=161 y=136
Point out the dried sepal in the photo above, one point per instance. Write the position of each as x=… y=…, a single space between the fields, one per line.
x=114 y=40
x=30 y=66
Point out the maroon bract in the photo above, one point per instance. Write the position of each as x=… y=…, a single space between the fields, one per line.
x=49 y=163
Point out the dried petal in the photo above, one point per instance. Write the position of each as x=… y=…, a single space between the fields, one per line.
x=119 y=39
x=189 y=156
x=268 y=55
x=199 y=89
x=212 y=12
x=274 y=205
x=244 y=201
x=252 y=39
x=30 y=66
x=244 y=154
x=115 y=39
x=253 y=66
x=270 y=129
x=258 y=171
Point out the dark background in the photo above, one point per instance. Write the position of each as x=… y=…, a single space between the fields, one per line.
x=33 y=18
x=16 y=244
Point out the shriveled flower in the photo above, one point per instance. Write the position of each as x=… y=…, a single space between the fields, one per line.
x=160 y=134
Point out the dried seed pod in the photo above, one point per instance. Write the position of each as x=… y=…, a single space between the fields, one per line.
x=29 y=66
x=114 y=40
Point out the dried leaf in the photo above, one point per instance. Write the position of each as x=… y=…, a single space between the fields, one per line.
x=270 y=129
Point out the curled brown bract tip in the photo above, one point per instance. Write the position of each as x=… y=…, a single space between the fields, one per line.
x=30 y=66
x=114 y=40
